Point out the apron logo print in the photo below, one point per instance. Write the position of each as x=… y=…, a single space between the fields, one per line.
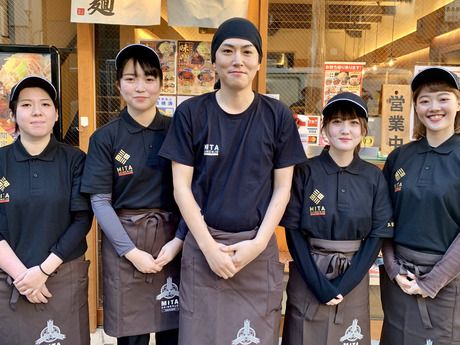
x=246 y=335
x=352 y=334
x=429 y=342
x=4 y=197
x=50 y=334
x=169 y=296
x=211 y=150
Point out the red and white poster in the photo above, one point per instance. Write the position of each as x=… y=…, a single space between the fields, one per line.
x=342 y=77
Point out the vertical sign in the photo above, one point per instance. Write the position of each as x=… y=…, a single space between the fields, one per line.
x=396 y=105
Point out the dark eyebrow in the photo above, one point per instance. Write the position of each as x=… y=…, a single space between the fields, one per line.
x=233 y=46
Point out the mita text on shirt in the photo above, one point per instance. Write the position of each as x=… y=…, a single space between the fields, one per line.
x=211 y=150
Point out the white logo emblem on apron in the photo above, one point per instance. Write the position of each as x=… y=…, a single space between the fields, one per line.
x=169 y=295
x=353 y=333
x=246 y=335
x=49 y=334
x=429 y=342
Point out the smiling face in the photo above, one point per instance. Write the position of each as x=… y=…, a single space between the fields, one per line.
x=237 y=62
x=35 y=113
x=436 y=109
x=139 y=91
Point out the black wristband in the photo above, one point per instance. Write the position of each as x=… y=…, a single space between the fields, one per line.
x=41 y=269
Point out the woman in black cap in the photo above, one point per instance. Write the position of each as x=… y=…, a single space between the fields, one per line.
x=233 y=153
x=335 y=221
x=421 y=285
x=43 y=225
x=132 y=198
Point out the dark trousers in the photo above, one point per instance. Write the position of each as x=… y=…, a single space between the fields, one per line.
x=169 y=337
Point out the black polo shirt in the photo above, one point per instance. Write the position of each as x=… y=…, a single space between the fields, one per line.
x=233 y=156
x=424 y=184
x=37 y=197
x=334 y=203
x=123 y=160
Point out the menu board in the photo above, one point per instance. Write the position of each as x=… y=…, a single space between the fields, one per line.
x=166 y=50
x=342 y=77
x=195 y=73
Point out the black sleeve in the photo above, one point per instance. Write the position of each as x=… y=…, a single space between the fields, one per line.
x=382 y=210
x=178 y=144
x=360 y=265
x=74 y=235
x=292 y=214
x=299 y=248
x=98 y=172
x=289 y=150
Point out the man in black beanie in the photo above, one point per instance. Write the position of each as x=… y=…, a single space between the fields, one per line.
x=233 y=152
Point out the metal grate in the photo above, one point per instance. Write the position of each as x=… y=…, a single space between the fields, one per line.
x=391 y=37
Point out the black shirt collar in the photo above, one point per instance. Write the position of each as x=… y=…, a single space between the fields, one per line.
x=158 y=123
x=331 y=167
x=21 y=154
x=445 y=148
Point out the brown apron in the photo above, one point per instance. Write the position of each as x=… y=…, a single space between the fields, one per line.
x=136 y=303
x=63 y=320
x=347 y=323
x=243 y=310
x=412 y=319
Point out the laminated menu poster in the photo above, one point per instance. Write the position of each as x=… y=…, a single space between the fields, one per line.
x=166 y=50
x=342 y=77
x=195 y=73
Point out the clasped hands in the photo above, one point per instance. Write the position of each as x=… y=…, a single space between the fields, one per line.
x=408 y=284
x=227 y=260
x=31 y=284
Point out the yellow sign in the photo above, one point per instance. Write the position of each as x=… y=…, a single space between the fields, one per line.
x=396 y=105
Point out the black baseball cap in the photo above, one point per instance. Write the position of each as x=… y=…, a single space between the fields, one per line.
x=32 y=81
x=346 y=98
x=137 y=50
x=431 y=74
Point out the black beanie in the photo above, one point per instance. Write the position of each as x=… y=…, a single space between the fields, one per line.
x=236 y=28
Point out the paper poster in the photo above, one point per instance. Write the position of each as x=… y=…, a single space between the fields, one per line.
x=206 y=14
x=167 y=105
x=396 y=105
x=342 y=77
x=195 y=73
x=166 y=50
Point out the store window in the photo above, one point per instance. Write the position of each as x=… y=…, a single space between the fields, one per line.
x=388 y=39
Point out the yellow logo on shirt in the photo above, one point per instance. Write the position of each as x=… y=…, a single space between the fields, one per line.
x=399 y=174
x=4 y=196
x=316 y=196
x=317 y=210
x=122 y=157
